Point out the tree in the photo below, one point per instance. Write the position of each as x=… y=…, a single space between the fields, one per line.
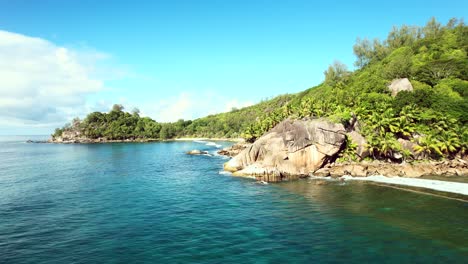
x=136 y=111
x=403 y=36
x=335 y=73
x=117 y=108
x=428 y=146
x=432 y=29
x=398 y=64
x=363 y=51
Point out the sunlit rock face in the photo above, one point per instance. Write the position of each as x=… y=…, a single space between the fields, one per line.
x=399 y=85
x=292 y=149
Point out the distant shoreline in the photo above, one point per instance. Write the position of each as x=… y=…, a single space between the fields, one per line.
x=104 y=141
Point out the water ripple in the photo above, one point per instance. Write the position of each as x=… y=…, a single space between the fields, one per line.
x=152 y=203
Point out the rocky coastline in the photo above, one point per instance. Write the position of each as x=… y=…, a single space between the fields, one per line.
x=76 y=137
x=416 y=169
x=310 y=148
x=97 y=141
x=446 y=168
x=299 y=149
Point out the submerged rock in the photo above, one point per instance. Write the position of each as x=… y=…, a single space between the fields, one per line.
x=292 y=149
x=197 y=152
x=36 y=141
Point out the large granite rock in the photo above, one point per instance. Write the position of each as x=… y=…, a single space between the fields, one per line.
x=292 y=149
x=399 y=85
x=362 y=149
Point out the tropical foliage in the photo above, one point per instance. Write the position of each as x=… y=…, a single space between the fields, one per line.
x=434 y=116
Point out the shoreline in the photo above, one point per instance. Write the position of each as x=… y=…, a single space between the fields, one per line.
x=436 y=185
x=419 y=169
x=104 y=141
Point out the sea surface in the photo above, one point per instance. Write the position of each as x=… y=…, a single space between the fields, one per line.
x=152 y=203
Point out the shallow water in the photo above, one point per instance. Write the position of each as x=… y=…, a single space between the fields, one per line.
x=150 y=202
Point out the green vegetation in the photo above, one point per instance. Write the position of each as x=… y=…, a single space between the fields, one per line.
x=434 y=116
x=121 y=125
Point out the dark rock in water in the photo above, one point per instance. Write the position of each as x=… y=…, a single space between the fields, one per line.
x=197 y=152
x=36 y=141
x=292 y=149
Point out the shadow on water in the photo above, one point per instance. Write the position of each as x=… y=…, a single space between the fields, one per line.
x=426 y=216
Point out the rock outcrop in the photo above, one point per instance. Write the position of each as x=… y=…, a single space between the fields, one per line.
x=446 y=168
x=292 y=149
x=399 y=85
x=361 y=149
x=68 y=136
x=234 y=149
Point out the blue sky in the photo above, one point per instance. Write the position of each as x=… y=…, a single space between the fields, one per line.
x=178 y=59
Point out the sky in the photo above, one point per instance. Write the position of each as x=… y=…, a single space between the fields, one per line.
x=178 y=58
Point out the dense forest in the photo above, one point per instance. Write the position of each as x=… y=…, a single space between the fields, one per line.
x=120 y=125
x=434 y=115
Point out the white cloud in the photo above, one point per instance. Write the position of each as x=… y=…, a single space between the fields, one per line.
x=42 y=83
x=190 y=106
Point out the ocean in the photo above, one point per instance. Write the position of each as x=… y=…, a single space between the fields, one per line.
x=152 y=203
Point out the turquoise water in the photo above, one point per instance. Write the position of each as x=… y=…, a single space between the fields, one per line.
x=149 y=202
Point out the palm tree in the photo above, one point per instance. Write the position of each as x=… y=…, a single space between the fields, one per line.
x=449 y=142
x=428 y=146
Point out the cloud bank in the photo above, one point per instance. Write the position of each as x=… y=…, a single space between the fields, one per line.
x=42 y=83
x=189 y=106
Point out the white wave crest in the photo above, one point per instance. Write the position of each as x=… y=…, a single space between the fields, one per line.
x=213 y=144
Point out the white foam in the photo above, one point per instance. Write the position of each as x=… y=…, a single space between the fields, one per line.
x=224 y=173
x=444 y=186
x=213 y=144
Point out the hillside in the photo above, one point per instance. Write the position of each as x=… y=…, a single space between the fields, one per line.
x=433 y=117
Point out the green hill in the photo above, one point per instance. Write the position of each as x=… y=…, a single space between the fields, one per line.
x=434 y=115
